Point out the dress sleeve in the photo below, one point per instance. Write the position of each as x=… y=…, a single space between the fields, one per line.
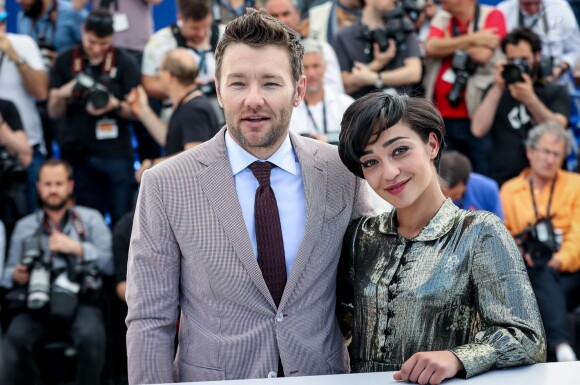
x=511 y=328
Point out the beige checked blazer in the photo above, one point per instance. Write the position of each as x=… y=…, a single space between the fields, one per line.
x=190 y=246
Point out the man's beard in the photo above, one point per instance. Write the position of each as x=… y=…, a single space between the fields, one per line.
x=34 y=11
x=59 y=205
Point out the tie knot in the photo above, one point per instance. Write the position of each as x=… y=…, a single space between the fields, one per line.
x=261 y=171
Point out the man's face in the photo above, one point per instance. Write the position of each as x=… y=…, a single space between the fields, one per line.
x=196 y=32
x=54 y=187
x=454 y=6
x=284 y=11
x=381 y=6
x=531 y=7
x=258 y=94
x=547 y=156
x=314 y=68
x=94 y=46
x=523 y=50
x=31 y=8
x=455 y=193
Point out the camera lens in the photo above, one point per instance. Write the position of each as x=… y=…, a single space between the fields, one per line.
x=99 y=98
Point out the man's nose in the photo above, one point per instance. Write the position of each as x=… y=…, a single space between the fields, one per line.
x=254 y=98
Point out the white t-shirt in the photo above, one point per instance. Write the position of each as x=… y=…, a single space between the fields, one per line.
x=12 y=87
x=162 y=42
x=335 y=104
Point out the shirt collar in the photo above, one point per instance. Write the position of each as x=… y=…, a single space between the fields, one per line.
x=437 y=227
x=240 y=159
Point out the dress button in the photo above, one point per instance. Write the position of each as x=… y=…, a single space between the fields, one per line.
x=272 y=375
x=383 y=349
x=390 y=313
x=388 y=331
x=279 y=317
x=391 y=295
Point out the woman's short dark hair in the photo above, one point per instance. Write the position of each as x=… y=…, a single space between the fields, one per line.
x=368 y=117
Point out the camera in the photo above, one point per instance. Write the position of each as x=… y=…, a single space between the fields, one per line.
x=463 y=67
x=539 y=241
x=88 y=90
x=397 y=27
x=39 y=265
x=8 y=163
x=413 y=8
x=513 y=71
x=47 y=52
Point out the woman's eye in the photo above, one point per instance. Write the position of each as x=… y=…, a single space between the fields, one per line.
x=369 y=163
x=400 y=151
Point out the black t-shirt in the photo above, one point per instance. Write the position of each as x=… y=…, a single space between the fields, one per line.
x=511 y=125
x=121 y=240
x=193 y=121
x=351 y=44
x=10 y=115
x=78 y=131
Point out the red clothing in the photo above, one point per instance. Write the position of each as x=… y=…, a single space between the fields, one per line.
x=495 y=19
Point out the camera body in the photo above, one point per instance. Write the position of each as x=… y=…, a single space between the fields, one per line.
x=514 y=70
x=88 y=90
x=539 y=241
x=397 y=27
x=39 y=266
x=463 y=67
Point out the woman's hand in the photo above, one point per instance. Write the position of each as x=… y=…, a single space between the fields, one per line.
x=429 y=367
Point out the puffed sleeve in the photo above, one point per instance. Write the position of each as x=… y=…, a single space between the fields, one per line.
x=511 y=333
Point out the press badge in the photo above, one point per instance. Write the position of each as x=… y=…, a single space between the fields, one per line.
x=107 y=129
x=120 y=22
x=449 y=76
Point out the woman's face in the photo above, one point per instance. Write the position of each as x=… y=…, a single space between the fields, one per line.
x=399 y=165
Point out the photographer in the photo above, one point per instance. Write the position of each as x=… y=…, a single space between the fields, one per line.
x=60 y=242
x=518 y=99
x=462 y=48
x=542 y=211
x=379 y=51
x=88 y=85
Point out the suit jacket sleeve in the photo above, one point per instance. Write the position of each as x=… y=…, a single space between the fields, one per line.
x=153 y=277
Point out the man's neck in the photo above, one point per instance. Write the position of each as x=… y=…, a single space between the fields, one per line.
x=540 y=182
x=371 y=18
x=178 y=93
x=315 y=97
x=465 y=14
x=56 y=215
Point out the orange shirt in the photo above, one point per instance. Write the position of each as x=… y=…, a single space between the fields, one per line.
x=518 y=209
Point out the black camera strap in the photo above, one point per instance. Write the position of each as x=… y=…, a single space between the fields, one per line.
x=312 y=117
x=549 y=199
x=108 y=69
x=543 y=16
x=182 y=43
x=455 y=24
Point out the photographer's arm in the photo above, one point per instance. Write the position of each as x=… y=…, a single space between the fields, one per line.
x=13 y=271
x=409 y=73
x=138 y=103
x=15 y=142
x=484 y=40
x=57 y=99
x=484 y=115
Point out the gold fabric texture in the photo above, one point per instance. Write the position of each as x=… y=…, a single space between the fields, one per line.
x=460 y=285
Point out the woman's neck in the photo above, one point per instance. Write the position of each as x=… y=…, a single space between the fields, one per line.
x=411 y=220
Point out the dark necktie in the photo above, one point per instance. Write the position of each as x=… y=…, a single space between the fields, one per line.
x=269 y=232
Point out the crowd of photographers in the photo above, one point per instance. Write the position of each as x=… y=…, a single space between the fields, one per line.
x=84 y=86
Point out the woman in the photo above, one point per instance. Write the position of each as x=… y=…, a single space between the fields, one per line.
x=429 y=290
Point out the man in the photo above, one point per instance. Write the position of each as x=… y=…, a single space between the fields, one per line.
x=554 y=23
x=66 y=235
x=509 y=111
x=288 y=14
x=23 y=81
x=195 y=31
x=367 y=65
x=55 y=25
x=193 y=120
x=463 y=47
x=542 y=207
x=95 y=135
x=251 y=264
x=320 y=113
x=468 y=190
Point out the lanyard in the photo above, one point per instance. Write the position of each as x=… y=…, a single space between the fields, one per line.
x=543 y=16
x=183 y=99
x=312 y=117
x=457 y=32
x=201 y=53
x=549 y=199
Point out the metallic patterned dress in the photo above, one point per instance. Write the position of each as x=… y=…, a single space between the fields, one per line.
x=460 y=285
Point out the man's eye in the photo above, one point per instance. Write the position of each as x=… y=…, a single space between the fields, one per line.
x=271 y=84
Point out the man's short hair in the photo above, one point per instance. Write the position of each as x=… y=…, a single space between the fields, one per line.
x=258 y=29
x=100 y=22
x=194 y=9
x=549 y=127
x=454 y=168
x=184 y=71
x=522 y=34
x=53 y=162
x=312 y=46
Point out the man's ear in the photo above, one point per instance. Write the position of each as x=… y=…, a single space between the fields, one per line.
x=218 y=94
x=300 y=91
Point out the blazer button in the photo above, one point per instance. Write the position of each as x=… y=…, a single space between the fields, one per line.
x=383 y=349
x=279 y=317
x=272 y=375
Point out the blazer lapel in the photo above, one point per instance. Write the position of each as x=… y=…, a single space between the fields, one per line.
x=314 y=175
x=219 y=187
